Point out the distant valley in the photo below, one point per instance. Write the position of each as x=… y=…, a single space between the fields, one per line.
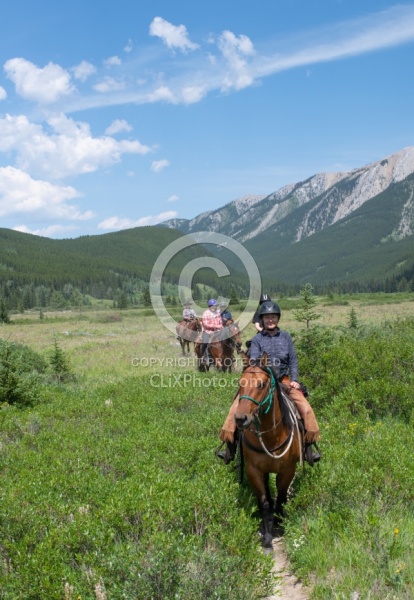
x=349 y=231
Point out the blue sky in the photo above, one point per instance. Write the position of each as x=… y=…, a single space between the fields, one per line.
x=122 y=114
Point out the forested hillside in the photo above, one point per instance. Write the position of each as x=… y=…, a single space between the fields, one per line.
x=41 y=272
x=364 y=250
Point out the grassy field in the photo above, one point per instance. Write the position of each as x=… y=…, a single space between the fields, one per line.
x=110 y=488
x=105 y=345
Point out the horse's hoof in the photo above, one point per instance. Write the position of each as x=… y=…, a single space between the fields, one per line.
x=268 y=542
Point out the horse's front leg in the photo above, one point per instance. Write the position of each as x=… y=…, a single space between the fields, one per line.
x=283 y=481
x=227 y=364
x=257 y=481
x=266 y=513
x=267 y=488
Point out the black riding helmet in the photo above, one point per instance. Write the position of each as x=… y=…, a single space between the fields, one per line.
x=264 y=298
x=269 y=308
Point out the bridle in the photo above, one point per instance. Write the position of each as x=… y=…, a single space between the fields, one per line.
x=263 y=407
x=231 y=341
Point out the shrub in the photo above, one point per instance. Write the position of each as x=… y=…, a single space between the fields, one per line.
x=20 y=368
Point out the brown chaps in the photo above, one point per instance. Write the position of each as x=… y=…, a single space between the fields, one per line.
x=305 y=411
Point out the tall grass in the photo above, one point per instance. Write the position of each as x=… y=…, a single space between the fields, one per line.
x=110 y=487
x=119 y=488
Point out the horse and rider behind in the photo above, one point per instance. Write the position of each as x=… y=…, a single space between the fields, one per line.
x=215 y=335
x=219 y=339
x=188 y=329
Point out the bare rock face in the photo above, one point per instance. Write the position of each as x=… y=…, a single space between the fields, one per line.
x=330 y=196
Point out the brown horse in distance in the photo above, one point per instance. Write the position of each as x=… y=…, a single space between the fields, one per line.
x=270 y=436
x=187 y=331
x=221 y=347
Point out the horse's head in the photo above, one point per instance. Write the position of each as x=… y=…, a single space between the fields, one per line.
x=255 y=392
x=234 y=333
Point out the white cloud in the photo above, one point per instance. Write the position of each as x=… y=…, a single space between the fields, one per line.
x=50 y=231
x=129 y=46
x=193 y=93
x=230 y=44
x=385 y=29
x=162 y=93
x=173 y=198
x=117 y=223
x=117 y=126
x=234 y=49
x=109 y=84
x=20 y=194
x=45 y=85
x=3 y=93
x=113 y=61
x=83 y=70
x=158 y=165
x=69 y=150
x=172 y=35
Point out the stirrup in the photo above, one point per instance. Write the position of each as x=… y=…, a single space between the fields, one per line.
x=228 y=454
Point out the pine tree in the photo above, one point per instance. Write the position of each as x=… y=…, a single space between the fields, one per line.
x=233 y=296
x=4 y=313
x=122 y=300
x=59 y=364
x=146 y=297
x=353 y=319
x=306 y=312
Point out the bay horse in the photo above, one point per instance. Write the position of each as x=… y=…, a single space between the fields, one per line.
x=221 y=347
x=270 y=438
x=187 y=331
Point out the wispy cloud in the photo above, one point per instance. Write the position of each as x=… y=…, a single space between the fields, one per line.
x=118 y=126
x=50 y=231
x=112 y=61
x=118 y=223
x=83 y=70
x=129 y=46
x=234 y=62
x=158 y=165
x=392 y=27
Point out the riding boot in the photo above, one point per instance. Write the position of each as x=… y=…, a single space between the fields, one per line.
x=229 y=453
x=310 y=456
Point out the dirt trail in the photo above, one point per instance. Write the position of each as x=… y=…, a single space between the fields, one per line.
x=289 y=588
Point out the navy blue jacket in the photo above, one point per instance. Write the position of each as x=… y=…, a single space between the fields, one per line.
x=225 y=315
x=280 y=350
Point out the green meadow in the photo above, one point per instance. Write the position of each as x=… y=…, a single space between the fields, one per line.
x=109 y=484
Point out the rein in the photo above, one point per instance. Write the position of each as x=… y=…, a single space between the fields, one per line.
x=265 y=405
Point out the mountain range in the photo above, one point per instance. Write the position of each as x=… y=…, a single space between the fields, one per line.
x=349 y=231
x=350 y=226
